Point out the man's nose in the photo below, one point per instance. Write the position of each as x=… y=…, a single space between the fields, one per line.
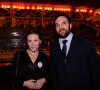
x=60 y=26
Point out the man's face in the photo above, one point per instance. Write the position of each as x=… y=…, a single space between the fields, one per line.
x=62 y=26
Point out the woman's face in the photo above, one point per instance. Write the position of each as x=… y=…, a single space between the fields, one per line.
x=33 y=42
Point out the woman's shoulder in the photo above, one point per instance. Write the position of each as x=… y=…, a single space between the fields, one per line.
x=20 y=52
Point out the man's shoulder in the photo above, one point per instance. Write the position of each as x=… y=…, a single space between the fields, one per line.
x=80 y=37
x=83 y=39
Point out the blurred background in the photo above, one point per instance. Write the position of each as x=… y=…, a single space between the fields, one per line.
x=17 y=17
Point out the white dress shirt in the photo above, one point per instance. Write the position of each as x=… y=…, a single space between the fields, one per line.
x=69 y=39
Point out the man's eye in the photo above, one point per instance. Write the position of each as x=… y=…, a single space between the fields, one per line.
x=64 y=22
x=56 y=24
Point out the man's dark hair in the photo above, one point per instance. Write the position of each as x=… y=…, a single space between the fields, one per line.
x=62 y=14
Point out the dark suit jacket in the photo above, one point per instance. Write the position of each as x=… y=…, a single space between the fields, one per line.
x=78 y=72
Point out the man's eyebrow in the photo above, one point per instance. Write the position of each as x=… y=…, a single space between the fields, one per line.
x=56 y=23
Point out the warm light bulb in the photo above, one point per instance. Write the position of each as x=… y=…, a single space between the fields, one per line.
x=28 y=7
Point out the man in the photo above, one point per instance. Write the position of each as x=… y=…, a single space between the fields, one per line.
x=73 y=58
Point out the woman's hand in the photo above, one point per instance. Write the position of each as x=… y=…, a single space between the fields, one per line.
x=40 y=82
x=31 y=84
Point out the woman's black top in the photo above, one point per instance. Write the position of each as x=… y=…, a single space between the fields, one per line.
x=26 y=69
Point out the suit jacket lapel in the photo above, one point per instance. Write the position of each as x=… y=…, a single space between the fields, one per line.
x=58 y=49
x=71 y=49
x=73 y=45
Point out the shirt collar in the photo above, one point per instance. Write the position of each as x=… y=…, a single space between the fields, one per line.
x=68 y=38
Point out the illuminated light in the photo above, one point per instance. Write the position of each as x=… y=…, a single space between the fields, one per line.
x=28 y=7
x=83 y=10
x=14 y=6
x=55 y=8
x=77 y=10
x=39 y=8
x=47 y=8
x=58 y=9
x=2 y=6
x=17 y=7
x=23 y=7
x=5 y=6
x=61 y=9
x=68 y=9
x=91 y=11
x=20 y=7
x=33 y=7
x=64 y=9
x=8 y=6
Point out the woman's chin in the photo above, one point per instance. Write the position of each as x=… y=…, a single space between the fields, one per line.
x=34 y=50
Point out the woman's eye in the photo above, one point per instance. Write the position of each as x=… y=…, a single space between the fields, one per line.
x=29 y=40
x=35 y=40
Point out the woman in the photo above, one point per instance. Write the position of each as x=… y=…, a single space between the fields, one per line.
x=31 y=65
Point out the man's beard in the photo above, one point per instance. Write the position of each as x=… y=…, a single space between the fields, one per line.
x=65 y=35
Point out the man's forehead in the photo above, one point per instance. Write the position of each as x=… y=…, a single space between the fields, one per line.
x=61 y=18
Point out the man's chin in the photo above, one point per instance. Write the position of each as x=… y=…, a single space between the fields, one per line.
x=63 y=36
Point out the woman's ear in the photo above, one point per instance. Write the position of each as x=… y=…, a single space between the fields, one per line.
x=40 y=41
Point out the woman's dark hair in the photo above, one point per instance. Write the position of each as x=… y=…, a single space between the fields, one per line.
x=34 y=31
x=62 y=14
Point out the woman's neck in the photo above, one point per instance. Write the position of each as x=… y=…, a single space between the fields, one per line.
x=32 y=52
x=33 y=55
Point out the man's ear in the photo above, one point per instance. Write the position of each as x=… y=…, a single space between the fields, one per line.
x=70 y=25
